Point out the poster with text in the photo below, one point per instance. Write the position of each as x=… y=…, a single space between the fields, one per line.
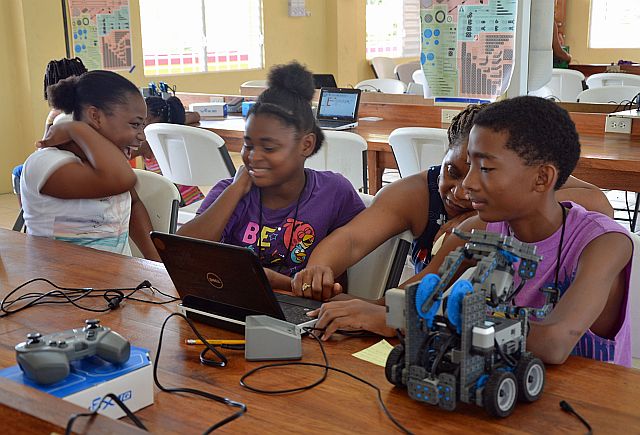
x=101 y=33
x=468 y=46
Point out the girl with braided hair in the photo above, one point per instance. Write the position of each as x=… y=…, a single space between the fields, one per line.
x=274 y=205
x=171 y=111
x=56 y=70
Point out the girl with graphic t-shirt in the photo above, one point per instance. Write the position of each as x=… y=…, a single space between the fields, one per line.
x=274 y=205
x=78 y=187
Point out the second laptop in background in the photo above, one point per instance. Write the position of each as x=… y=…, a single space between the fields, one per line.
x=338 y=108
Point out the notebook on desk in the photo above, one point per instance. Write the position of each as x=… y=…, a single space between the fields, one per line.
x=221 y=284
x=338 y=108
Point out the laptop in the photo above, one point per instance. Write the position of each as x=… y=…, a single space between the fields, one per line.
x=338 y=108
x=222 y=284
x=324 y=81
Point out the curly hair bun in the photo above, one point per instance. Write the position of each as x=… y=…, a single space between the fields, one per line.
x=292 y=77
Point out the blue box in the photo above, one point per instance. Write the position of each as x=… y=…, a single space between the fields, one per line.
x=92 y=378
x=246 y=106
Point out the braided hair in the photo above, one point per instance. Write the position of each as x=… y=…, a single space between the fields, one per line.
x=461 y=124
x=288 y=97
x=170 y=110
x=61 y=69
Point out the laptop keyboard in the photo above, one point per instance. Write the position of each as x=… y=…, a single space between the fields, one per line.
x=332 y=124
x=295 y=308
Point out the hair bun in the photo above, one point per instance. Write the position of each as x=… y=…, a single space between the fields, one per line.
x=292 y=77
x=62 y=95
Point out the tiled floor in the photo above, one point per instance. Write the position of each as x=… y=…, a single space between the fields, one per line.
x=9 y=210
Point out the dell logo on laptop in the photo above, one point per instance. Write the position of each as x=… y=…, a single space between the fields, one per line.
x=214 y=280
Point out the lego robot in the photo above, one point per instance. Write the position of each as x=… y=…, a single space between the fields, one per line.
x=466 y=342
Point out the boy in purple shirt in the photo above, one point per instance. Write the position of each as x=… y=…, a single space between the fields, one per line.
x=274 y=205
x=520 y=151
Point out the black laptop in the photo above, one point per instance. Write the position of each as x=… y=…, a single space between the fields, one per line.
x=338 y=108
x=324 y=81
x=222 y=284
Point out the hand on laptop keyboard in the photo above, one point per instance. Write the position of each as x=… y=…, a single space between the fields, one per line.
x=315 y=282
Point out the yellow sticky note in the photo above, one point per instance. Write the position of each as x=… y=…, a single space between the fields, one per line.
x=376 y=354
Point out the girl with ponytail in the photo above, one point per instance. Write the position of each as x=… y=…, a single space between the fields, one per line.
x=274 y=205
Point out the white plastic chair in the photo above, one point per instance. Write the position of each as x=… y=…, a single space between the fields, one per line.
x=341 y=152
x=415 y=89
x=161 y=199
x=417 y=148
x=380 y=269
x=383 y=67
x=255 y=84
x=565 y=84
x=634 y=297
x=387 y=86
x=609 y=94
x=418 y=77
x=602 y=80
x=190 y=156
x=543 y=92
x=404 y=71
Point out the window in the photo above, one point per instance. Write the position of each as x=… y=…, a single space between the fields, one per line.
x=201 y=35
x=614 y=24
x=393 y=28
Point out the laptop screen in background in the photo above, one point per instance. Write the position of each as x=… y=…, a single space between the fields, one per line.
x=338 y=105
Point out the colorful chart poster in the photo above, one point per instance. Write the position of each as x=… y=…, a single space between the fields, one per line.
x=467 y=46
x=101 y=33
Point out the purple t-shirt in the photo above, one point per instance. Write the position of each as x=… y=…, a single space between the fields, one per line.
x=581 y=228
x=328 y=201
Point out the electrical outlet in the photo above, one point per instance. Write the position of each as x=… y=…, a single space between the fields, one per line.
x=617 y=124
x=447 y=115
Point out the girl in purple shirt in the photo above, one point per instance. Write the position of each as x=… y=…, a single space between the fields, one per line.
x=274 y=205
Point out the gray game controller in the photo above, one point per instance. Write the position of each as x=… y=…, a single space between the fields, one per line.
x=45 y=359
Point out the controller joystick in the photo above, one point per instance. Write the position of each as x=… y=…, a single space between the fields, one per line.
x=45 y=359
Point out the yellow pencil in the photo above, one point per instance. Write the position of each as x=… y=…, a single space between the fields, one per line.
x=195 y=341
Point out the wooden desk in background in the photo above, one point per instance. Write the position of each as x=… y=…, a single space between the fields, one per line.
x=605 y=394
x=610 y=161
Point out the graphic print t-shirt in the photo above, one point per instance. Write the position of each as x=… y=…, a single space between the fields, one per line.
x=327 y=202
x=581 y=228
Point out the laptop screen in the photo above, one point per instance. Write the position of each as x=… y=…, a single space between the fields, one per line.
x=339 y=104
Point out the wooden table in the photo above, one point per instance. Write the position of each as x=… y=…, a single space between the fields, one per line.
x=610 y=161
x=605 y=394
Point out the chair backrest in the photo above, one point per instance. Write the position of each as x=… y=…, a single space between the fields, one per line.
x=415 y=89
x=387 y=86
x=612 y=79
x=634 y=297
x=161 y=199
x=418 y=77
x=381 y=268
x=383 y=67
x=341 y=152
x=255 y=84
x=404 y=71
x=417 y=148
x=543 y=92
x=191 y=156
x=609 y=94
x=565 y=84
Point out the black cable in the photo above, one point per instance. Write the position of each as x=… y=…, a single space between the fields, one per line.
x=504 y=356
x=220 y=399
x=127 y=411
x=71 y=295
x=326 y=368
x=569 y=409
